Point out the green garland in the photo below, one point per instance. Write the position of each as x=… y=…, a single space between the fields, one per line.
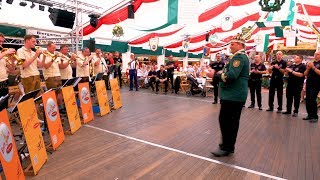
x=276 y=6
x=117 y=31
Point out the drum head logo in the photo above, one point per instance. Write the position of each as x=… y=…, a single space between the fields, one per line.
x=6 y=144
x=52 y=109
x=85 y=95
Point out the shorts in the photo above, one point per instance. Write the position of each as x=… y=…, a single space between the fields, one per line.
x=31 y=83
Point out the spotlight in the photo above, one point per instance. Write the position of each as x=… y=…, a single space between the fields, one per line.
x=32 y=5
x=9 y=1
x=50 y=10
x=22 y=3
x=94 y=20
x=41 y=8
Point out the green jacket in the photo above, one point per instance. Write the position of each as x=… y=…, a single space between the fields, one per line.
x=235 y=76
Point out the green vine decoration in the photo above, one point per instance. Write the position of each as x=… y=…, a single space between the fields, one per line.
x=117 y=31
x=269 y=7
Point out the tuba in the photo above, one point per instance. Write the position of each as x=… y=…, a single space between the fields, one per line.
x=12 y=56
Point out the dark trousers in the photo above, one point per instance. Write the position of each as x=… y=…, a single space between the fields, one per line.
x=255 y=89
x=215 y=84
x=133 y=75
x=311 y=101
x=170 y=77
x=118 y=73
x=293 y=93
x=165 y=85
x=276 y=84
x=229 y=119
x=106 y=81
x=151 y=82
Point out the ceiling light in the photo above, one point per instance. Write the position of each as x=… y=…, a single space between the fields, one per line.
x=41 y=8
x=23 y=3
x=9 y=1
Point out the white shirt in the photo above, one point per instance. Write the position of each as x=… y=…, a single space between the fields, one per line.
x=3 y=70
x=65 y=73
x=82 y=71
x=133 y=65
x=32 y=69
x=53 y=70
x=100 y=67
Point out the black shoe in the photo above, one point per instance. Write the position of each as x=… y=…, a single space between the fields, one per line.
x=295 y=115
x=287 y=112
x=313 y=120
x=220 y=153
x=251 y=106
x=215 y=102
x=307 y=118
x=137 y=89
x=260 y=108
x=279 y=111
x=269 y=109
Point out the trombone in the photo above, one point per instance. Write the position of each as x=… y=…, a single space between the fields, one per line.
x=12 y=56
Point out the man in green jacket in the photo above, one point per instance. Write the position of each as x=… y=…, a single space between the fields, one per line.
x=233 y=93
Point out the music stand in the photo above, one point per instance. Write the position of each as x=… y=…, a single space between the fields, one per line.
x=3 y=101
x=98 y=77
x=25 y=97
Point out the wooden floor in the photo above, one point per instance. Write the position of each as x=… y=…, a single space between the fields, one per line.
x=268 y=143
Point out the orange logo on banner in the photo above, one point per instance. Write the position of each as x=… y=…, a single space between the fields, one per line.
x=53 y=119
x=85 y=102
x=72 y=108
x=115 y=94
x=9 y=154
x=31 y=128
x=102 y=97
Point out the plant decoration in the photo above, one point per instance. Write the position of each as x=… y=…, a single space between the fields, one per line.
x=271 y=5
x=117 y=31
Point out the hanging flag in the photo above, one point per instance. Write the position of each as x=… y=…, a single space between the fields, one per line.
x=206 y=51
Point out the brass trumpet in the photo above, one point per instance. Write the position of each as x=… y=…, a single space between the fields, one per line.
x=48 y=54
x=12 y=56
x=77 y=57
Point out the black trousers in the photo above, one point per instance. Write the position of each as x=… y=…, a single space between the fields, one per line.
x=293 y=93
x=255 y=89
x=106 y=81
x=229 y=119
x=165 y=85
x=4 y=91
x=170 y=77
x=215 y=84
x=311 y=101
x=276 y=84
x=151 y=82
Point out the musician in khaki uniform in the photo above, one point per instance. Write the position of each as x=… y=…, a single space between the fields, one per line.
x=83 y=63
x=51 y=71
x=5 y=65
x=30 y=76
x=64 y=65
x=99 y=63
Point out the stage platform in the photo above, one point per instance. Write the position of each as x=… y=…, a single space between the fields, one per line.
x=171 y=137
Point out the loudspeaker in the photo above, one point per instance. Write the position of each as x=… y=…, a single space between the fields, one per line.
x=62 y=18
x=92 y=45
x=130 y=12
x=207 y=37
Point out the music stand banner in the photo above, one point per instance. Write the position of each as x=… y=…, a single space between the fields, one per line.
x=72 y=108
x=31 y=129
x=102 y=97
x=115 y=94
x=53 y=119
x=85 y=102
x=9 y=155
